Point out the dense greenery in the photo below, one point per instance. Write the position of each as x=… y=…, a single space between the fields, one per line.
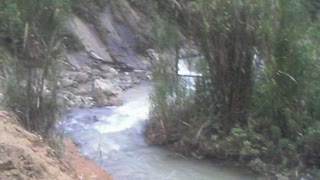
x=257 y=101
x=31 y=36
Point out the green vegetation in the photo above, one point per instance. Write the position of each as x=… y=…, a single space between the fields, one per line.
x=257 y=101
x=32 y=35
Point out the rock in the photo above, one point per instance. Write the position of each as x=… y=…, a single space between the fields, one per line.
x=135 y=80
x=83 y=88
x=146 y=63
x=72 y=100
x=108 y=76
x=96 y=72
x=66 y=82
x=106 y=93
x=83 y=101
x=113 y=71
x=95 y=56
x=104 y=67
x=149 y=75
x=140 y=74
x=73 y=62
x=281 y=177
x=107 y=87
x=102 y=100
x=126 y=81
x=81 y=77
x=108 y=72
x=78 y=77
x=6 y=165
x=86 y=69
x=153 y=55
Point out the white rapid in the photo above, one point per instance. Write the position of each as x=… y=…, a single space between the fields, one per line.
x=188 y=72
x=113 y=138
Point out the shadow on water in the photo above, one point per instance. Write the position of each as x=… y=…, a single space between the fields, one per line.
x=113 y=138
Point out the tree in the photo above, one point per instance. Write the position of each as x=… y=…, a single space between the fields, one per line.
x=260 y=80
x=32 y=88
x=229 y=35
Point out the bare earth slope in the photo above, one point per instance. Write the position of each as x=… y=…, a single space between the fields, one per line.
x=25 y=156
x=85 y=168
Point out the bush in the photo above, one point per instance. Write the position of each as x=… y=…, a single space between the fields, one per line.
x=16 y=96
x=312 y=145
x=34 y=114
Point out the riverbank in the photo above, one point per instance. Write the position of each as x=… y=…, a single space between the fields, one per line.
x=24 y=155
x=85 y=168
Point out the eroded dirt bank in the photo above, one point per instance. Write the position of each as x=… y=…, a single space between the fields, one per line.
x=25 y=156
x=85 y=168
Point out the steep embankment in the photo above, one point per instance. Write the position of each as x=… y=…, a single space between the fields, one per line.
x=24 y=155
x=85 y=168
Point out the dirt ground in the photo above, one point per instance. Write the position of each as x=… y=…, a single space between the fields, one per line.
x=25 y=156
x=85 y=168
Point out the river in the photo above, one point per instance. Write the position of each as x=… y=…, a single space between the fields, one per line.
x=113 y=138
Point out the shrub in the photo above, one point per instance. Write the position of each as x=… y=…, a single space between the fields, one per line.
x=312 y=145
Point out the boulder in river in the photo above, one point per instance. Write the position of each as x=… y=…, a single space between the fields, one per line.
x=106 y=93
x=107 y=87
